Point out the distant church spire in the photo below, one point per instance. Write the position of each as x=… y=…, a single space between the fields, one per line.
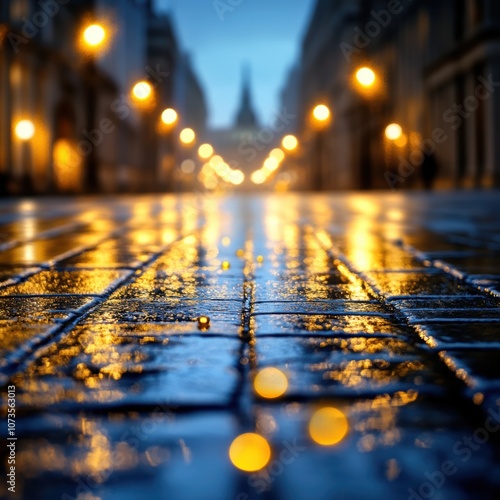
x=246 y=117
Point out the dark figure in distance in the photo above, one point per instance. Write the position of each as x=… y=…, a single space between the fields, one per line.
x=429 y=170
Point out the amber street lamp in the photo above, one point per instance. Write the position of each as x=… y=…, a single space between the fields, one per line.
x=321 y=116
x=92 y=41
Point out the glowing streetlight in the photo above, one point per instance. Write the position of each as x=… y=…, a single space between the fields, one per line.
x=393 y=132
x=142 y=91
x=277 y=154
x=187 y=136
x=24 y=130
x=205 y=151
x=169 y=116
x=290 y=142
x=237 y=177
x=94 y=35
x=321 y=113
x=258 y=177
x=366 y=77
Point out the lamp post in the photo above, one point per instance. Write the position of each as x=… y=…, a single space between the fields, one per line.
x=366 y=81
x=25 y=131
x=321 y=116
x=92 y=40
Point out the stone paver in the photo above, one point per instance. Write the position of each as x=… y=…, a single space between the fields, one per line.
x=384 y=307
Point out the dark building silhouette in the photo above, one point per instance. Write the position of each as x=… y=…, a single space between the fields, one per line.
x=246 y=117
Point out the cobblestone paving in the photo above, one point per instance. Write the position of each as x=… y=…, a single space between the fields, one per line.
x=385 y=307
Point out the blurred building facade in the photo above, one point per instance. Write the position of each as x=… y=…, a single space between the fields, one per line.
x=89 y=133
x=436 y=65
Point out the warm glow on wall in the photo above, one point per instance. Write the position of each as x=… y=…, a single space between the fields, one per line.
x=250 y=452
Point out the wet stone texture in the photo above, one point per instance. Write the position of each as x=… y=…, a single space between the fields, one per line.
x=381 y=309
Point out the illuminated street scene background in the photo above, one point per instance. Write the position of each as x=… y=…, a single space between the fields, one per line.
x=250 y=249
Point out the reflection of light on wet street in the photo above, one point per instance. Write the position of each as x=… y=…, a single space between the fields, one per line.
x=328 y=426
x=183 y=320
x=250 y=452
x=270 y=383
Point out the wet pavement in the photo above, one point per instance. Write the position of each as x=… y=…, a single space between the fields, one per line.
x=380 y=313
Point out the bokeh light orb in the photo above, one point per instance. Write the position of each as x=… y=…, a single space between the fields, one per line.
x=321 y=113
x=393 y=132
x=290 y=142
x=205 y=151
x=250 y=452
x=328 y=426
x=94 y=35
x=277 y=154
x=270 y=383
x=187 y=136
x=365 y=77
x=188 y=166
x=142 y=91
x=169 y=116
x=258 y=177
x=24 y=130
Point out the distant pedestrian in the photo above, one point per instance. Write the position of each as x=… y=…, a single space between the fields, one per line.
x=429 y=171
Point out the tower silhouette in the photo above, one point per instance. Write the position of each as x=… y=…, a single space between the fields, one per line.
x=246 y=117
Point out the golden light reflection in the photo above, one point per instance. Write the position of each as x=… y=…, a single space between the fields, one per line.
x=203 y=322
x=328 y=426
x=225 y=265
x=250 y=452
x=270 y=383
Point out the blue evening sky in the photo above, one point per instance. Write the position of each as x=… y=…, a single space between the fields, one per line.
x=266 y=34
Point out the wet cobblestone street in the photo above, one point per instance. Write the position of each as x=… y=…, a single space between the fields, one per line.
x=383 y=307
